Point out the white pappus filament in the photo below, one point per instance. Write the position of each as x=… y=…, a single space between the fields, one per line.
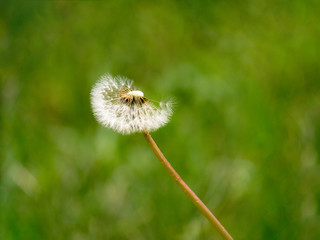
x=117 y=105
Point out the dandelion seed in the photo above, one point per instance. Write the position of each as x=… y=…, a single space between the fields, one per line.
x=117 y=105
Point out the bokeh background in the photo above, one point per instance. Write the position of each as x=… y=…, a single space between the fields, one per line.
x=245 y=135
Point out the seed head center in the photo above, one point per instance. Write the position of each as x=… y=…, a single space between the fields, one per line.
x=135 y=93
x=132 y=97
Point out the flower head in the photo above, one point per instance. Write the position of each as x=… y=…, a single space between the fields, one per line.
x=117 y=105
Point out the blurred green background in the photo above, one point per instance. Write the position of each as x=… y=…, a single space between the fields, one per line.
x=245 y=134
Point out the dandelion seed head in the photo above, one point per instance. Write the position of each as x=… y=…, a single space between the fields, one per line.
x=117 y=105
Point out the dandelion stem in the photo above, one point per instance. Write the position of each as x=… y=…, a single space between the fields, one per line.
x=186 y=189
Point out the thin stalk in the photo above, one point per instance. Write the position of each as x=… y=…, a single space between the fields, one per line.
x=186 y=189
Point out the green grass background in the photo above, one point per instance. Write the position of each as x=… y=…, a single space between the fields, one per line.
x=245 y=134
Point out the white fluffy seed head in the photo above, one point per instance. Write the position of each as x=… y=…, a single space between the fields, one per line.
x=115 y=105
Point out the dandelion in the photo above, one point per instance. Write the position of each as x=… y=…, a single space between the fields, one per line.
x=118 y=105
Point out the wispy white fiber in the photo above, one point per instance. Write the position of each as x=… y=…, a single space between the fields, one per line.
x=116 y=104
